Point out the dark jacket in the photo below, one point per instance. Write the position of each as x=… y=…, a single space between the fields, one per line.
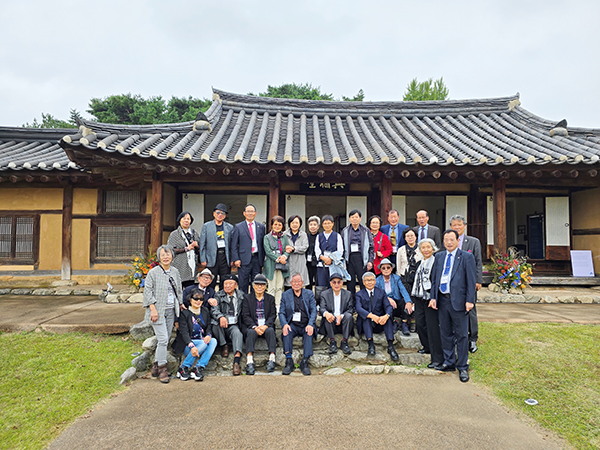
x=249 y=319
x=381 y=304
x=222 y=308
x=186 y=326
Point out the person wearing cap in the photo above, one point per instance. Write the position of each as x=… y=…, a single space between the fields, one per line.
x=205 y=278
x=297 y=316
x=184 y=241
x=337 y=307
x=396 y=293
x=247 y=250
x=258 y=314
x=215 y=243
x=227 y=317
x=374 y=314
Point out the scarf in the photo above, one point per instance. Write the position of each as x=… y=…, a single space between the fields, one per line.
x=191 y=255
x=422 y=284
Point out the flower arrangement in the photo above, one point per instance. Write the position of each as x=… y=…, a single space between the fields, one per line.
x=139 y=269
x=512 y=272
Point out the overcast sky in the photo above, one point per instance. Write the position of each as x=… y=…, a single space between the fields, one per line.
x=56 y=55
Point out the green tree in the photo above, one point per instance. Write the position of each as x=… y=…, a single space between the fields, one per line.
x=305 y=91
x=426 y=90
x=49 y=121
x=359 y=97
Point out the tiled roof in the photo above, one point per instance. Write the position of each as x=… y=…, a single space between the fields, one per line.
x=31 y=149
x=248 y=129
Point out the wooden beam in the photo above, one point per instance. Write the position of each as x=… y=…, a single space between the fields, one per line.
x=386 y=197
x=67 y=223
x=273 y=197
x=156 y=224
x=500 y=215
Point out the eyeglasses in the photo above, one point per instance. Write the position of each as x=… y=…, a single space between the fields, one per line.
x=198 y=298
x=220 y=213
x=336 y=282
x=386 y=267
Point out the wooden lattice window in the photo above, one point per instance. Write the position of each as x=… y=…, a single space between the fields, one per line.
x=18 y=242
x=120 y=242
x=122 y=202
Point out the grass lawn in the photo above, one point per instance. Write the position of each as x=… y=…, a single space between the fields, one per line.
x=556 y=364
x=48 y=380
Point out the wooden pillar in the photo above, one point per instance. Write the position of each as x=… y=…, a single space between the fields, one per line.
x=500 y=215
x=273 y=198
x=67 y=224
x=386 y=198
x=156 y=225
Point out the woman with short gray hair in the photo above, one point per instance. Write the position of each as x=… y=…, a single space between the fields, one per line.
x=162 y=300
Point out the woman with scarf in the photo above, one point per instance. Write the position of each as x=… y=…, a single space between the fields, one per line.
x=428 y=325
x=184 y=241
x=382 y=245
x=276 y=267
x=408 y=258
x=298 y=245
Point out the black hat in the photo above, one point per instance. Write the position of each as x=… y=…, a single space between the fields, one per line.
x=260 y=279
x=336 y=275
x=221 y=207
x=230 y=277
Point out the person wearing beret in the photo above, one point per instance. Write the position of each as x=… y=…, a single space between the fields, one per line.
x=227 y=317
x=259 y=314
x=215 y=244
x=337 y=307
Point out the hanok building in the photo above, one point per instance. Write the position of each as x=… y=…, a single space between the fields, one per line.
x=84 y=201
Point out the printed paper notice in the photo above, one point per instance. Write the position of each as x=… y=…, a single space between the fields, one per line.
x=582 y=263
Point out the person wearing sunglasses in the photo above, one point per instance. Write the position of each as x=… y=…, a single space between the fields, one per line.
x=215 y=244
x=337 y=307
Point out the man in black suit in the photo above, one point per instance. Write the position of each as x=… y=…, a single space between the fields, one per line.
x=258 y=316
x=425 y=230
x=472 y=245
x=453 y=294
x=374 y=313
x=247 y=252
x=337 y=308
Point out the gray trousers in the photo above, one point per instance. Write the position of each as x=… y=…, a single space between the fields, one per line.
x=231 y=333
x=345 y=327
x=163 y=334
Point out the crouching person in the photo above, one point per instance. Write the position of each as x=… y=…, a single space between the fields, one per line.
x=297 y=315
x=259 y=313
x=194 y=337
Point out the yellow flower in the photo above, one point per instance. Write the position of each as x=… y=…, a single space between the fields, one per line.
x=136 y=282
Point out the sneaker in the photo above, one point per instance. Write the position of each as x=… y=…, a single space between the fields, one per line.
x=289 y=366
x=183 y=373
x=304 y=366
x=404 y=328
x=333 y=348
x=271 y=366
x=197 y=373
x=371 y=350
x=345 y=348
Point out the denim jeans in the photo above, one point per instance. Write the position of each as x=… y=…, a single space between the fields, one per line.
x=204 y=350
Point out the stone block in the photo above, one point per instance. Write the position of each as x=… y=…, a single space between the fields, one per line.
x=335 y=371
x=411 y=341
x=325 y=360
x=530 y=298
x=379 y=339
x=430 y=372
x=136 y=298
x=585 y=299
x=366 y=370
x=142 y=362
x=141 y=331
x=548 y=299
x=566 y=299
x=43 y=291
x=96 y=292
x=4 y=291
x=414 y=359
x=81 y=292
x=173 y=363
x=21 y=291
x=123 y=298
x=64 y=283
x=378 y=358
x=63 y=291
x=403 y=370
x=280 y=357
x=111 y=298
x=149 y=344
x=128 y=375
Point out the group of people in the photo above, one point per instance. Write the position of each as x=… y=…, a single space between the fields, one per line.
x=400 y=271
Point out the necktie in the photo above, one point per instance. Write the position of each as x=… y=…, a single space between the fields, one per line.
x=251 y=236
x=393 y=237
x=444 y=286
x=422 y=233
x=231 y=306
x=371 y=298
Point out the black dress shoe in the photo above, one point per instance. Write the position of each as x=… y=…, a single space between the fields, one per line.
x=393 y=353
x=345 y=347
x=289 y=366
x=333 y=348
x=445 y=368
x=271 y=366
x=433 y=366
x=472 y=346
x=304 y=367
x=424 y=352
x=463 y=375
x=250 y=369
x=371 y=350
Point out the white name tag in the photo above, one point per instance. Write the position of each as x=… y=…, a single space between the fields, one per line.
x=394 y=249
x=296 y=317
x=354 y=248
x=309 y=258
x=232 y=320
x=261 y=322
x=445 y=279
x=220 y=243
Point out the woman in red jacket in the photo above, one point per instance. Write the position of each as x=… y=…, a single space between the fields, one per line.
x=381 y=243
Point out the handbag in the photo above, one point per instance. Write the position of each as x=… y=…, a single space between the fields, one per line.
x=282 y=267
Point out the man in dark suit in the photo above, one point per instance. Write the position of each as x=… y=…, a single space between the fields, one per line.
x=472 y=245
x=337 y=308
x=247 y=252
x=297 y=316
x=425 y=230
x=215 y=240
x=453 y=294
x=374 y=314
x=258 y=314
x=394 y=231
x=227 y=317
